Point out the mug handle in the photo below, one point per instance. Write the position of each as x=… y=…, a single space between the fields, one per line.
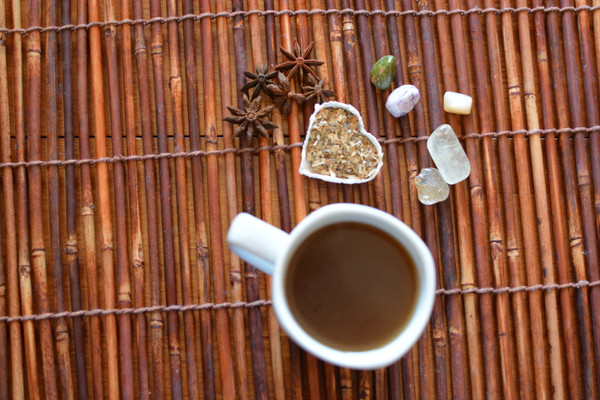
x=256 y=241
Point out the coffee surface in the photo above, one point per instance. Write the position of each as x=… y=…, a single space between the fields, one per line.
x=351 y=286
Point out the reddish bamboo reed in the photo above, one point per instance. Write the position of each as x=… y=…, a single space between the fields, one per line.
x=460 y=378
x=477 y=206
x=569 y=325
x=381 y=49
x=589 y=98
x=590 y=384
x=530 y=236
x=294 y=128
x=478 y=247
x=165 y=202
x=156 y=320
x=71 y=246
x=349 y=51
x=235 y=273
x=278 y=137
x=214 y=208
x=61 y=333
x=335 y=77
x=198 y=193
x=259 y=367
x=440 y=335
x=176 y=89
x=246 y=162
x=282 y=186
x=325 y=72
x=17 y=381
x=4 y=390
x=37 y=246
x=467 y=277
x=302 y=36
x=87 y=203
x=264 y=163
x=556 y=351
x=137 y=255
x=571 y=177
x=364 y=378
x=521 y=310
x=590 y=91
x=104 y=209
x=123 y=281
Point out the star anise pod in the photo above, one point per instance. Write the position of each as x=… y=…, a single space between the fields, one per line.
x=250 y=118
x=299 y=62
x=258 y=80
x=282 y=95
x=316 y=91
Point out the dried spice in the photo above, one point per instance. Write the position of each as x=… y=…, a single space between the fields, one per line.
x=316 y=91
x=337 y=146
x=259 y=81
x=251 y=118
x=299 y=62
x=282 y=95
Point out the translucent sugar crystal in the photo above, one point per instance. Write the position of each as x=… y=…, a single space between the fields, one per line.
x=431 y=187
x=448 y=155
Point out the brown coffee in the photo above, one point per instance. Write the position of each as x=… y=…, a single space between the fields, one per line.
x=351 y=286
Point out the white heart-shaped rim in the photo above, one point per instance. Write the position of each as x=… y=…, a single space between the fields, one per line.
x=304 y=168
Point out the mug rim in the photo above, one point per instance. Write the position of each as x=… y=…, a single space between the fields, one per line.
x=393 y=350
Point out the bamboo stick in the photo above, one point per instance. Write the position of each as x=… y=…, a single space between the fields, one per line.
x=302 y=36
x=441 y=358
x=467 y=277
x=460 y=379
x=382 y=49
x=87 y=203
x=573 y=211
x=589 y=183
x=294 y=128
x=214 y=208
x=235 y=273
x=123 y=281
x=264 y=162
x=483 y=278
x=594 y=137
x=165 y=202
x=4 y=389
x=259 y=367
x=479 y=229
x=156 y=319
x=521 y=310
x=104 y=209
x=198 y=193
x=137 y=255
x=590 y=91
x=61 y=333
x=282 y=185
x=278 y=137
x=557 y=372
x=246 y=163
x=569 y=325
x=17 y=381
x=176 y=86
x=38 y=250
x=335 y=76
x=530 y=235
x=373 y=124
x=71 y=245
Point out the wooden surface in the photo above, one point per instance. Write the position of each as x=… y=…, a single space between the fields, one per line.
x=517 y=312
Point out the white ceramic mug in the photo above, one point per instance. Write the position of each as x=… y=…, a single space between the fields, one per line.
x=271 y=250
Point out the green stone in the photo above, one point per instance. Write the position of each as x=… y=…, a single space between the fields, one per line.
x=383 y=71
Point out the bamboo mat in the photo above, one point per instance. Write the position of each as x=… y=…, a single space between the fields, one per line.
x=119 y=180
